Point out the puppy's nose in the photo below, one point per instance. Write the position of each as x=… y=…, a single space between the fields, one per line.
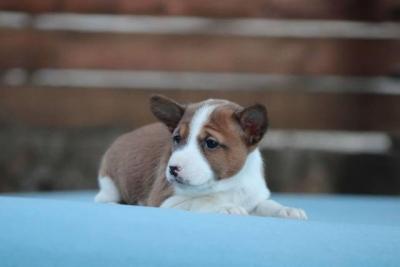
x=173 y=170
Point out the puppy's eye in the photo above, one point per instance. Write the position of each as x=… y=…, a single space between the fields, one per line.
x=177 y=139
x=211 y=143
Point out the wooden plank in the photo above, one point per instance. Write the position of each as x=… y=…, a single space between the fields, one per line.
x=74 y=107
x=51 y=49
x=314 y=9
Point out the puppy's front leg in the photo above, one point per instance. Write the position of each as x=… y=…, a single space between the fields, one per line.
x=203 y=204
x=231 y=209
x=176 y=202
x=272 y=208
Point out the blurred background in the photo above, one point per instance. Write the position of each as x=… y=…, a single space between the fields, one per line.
x=76 y=74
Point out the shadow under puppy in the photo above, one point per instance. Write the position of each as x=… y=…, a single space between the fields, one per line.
x=202 y=157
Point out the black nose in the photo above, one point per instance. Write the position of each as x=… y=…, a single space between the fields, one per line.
x=173 y=170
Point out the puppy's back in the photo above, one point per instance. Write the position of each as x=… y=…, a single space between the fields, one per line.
x=135 y=160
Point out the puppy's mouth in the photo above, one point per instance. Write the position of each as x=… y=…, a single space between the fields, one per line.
x=179 y=181
x=187 y=186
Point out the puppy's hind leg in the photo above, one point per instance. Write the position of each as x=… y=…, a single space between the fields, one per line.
x=108 y=191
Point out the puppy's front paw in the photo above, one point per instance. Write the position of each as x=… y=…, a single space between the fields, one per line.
x=293 y=213
x=233 y=210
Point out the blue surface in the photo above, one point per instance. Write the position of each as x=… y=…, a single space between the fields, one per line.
x=67 y=229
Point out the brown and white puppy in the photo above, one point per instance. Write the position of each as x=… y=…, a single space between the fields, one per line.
x=202 y=157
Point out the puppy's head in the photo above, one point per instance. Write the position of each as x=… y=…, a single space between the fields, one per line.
x=210 y=140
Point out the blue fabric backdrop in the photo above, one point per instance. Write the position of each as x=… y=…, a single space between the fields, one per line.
x=68 y=229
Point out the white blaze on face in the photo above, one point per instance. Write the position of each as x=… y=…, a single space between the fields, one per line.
x=195 y=169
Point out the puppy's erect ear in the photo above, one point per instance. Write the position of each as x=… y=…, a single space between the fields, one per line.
x=254 y=122
x=166 y=110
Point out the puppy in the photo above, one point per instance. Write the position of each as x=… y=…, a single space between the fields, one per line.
x=201 y=157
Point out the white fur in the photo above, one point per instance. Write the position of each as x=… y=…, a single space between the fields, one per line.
x=245 y=190
x=195 y=169
x=108 y=191
x=242 y=194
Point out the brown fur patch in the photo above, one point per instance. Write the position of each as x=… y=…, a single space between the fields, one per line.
x=227 y=159
x=136 y=162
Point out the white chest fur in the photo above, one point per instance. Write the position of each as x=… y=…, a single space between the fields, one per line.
x=245 y=190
